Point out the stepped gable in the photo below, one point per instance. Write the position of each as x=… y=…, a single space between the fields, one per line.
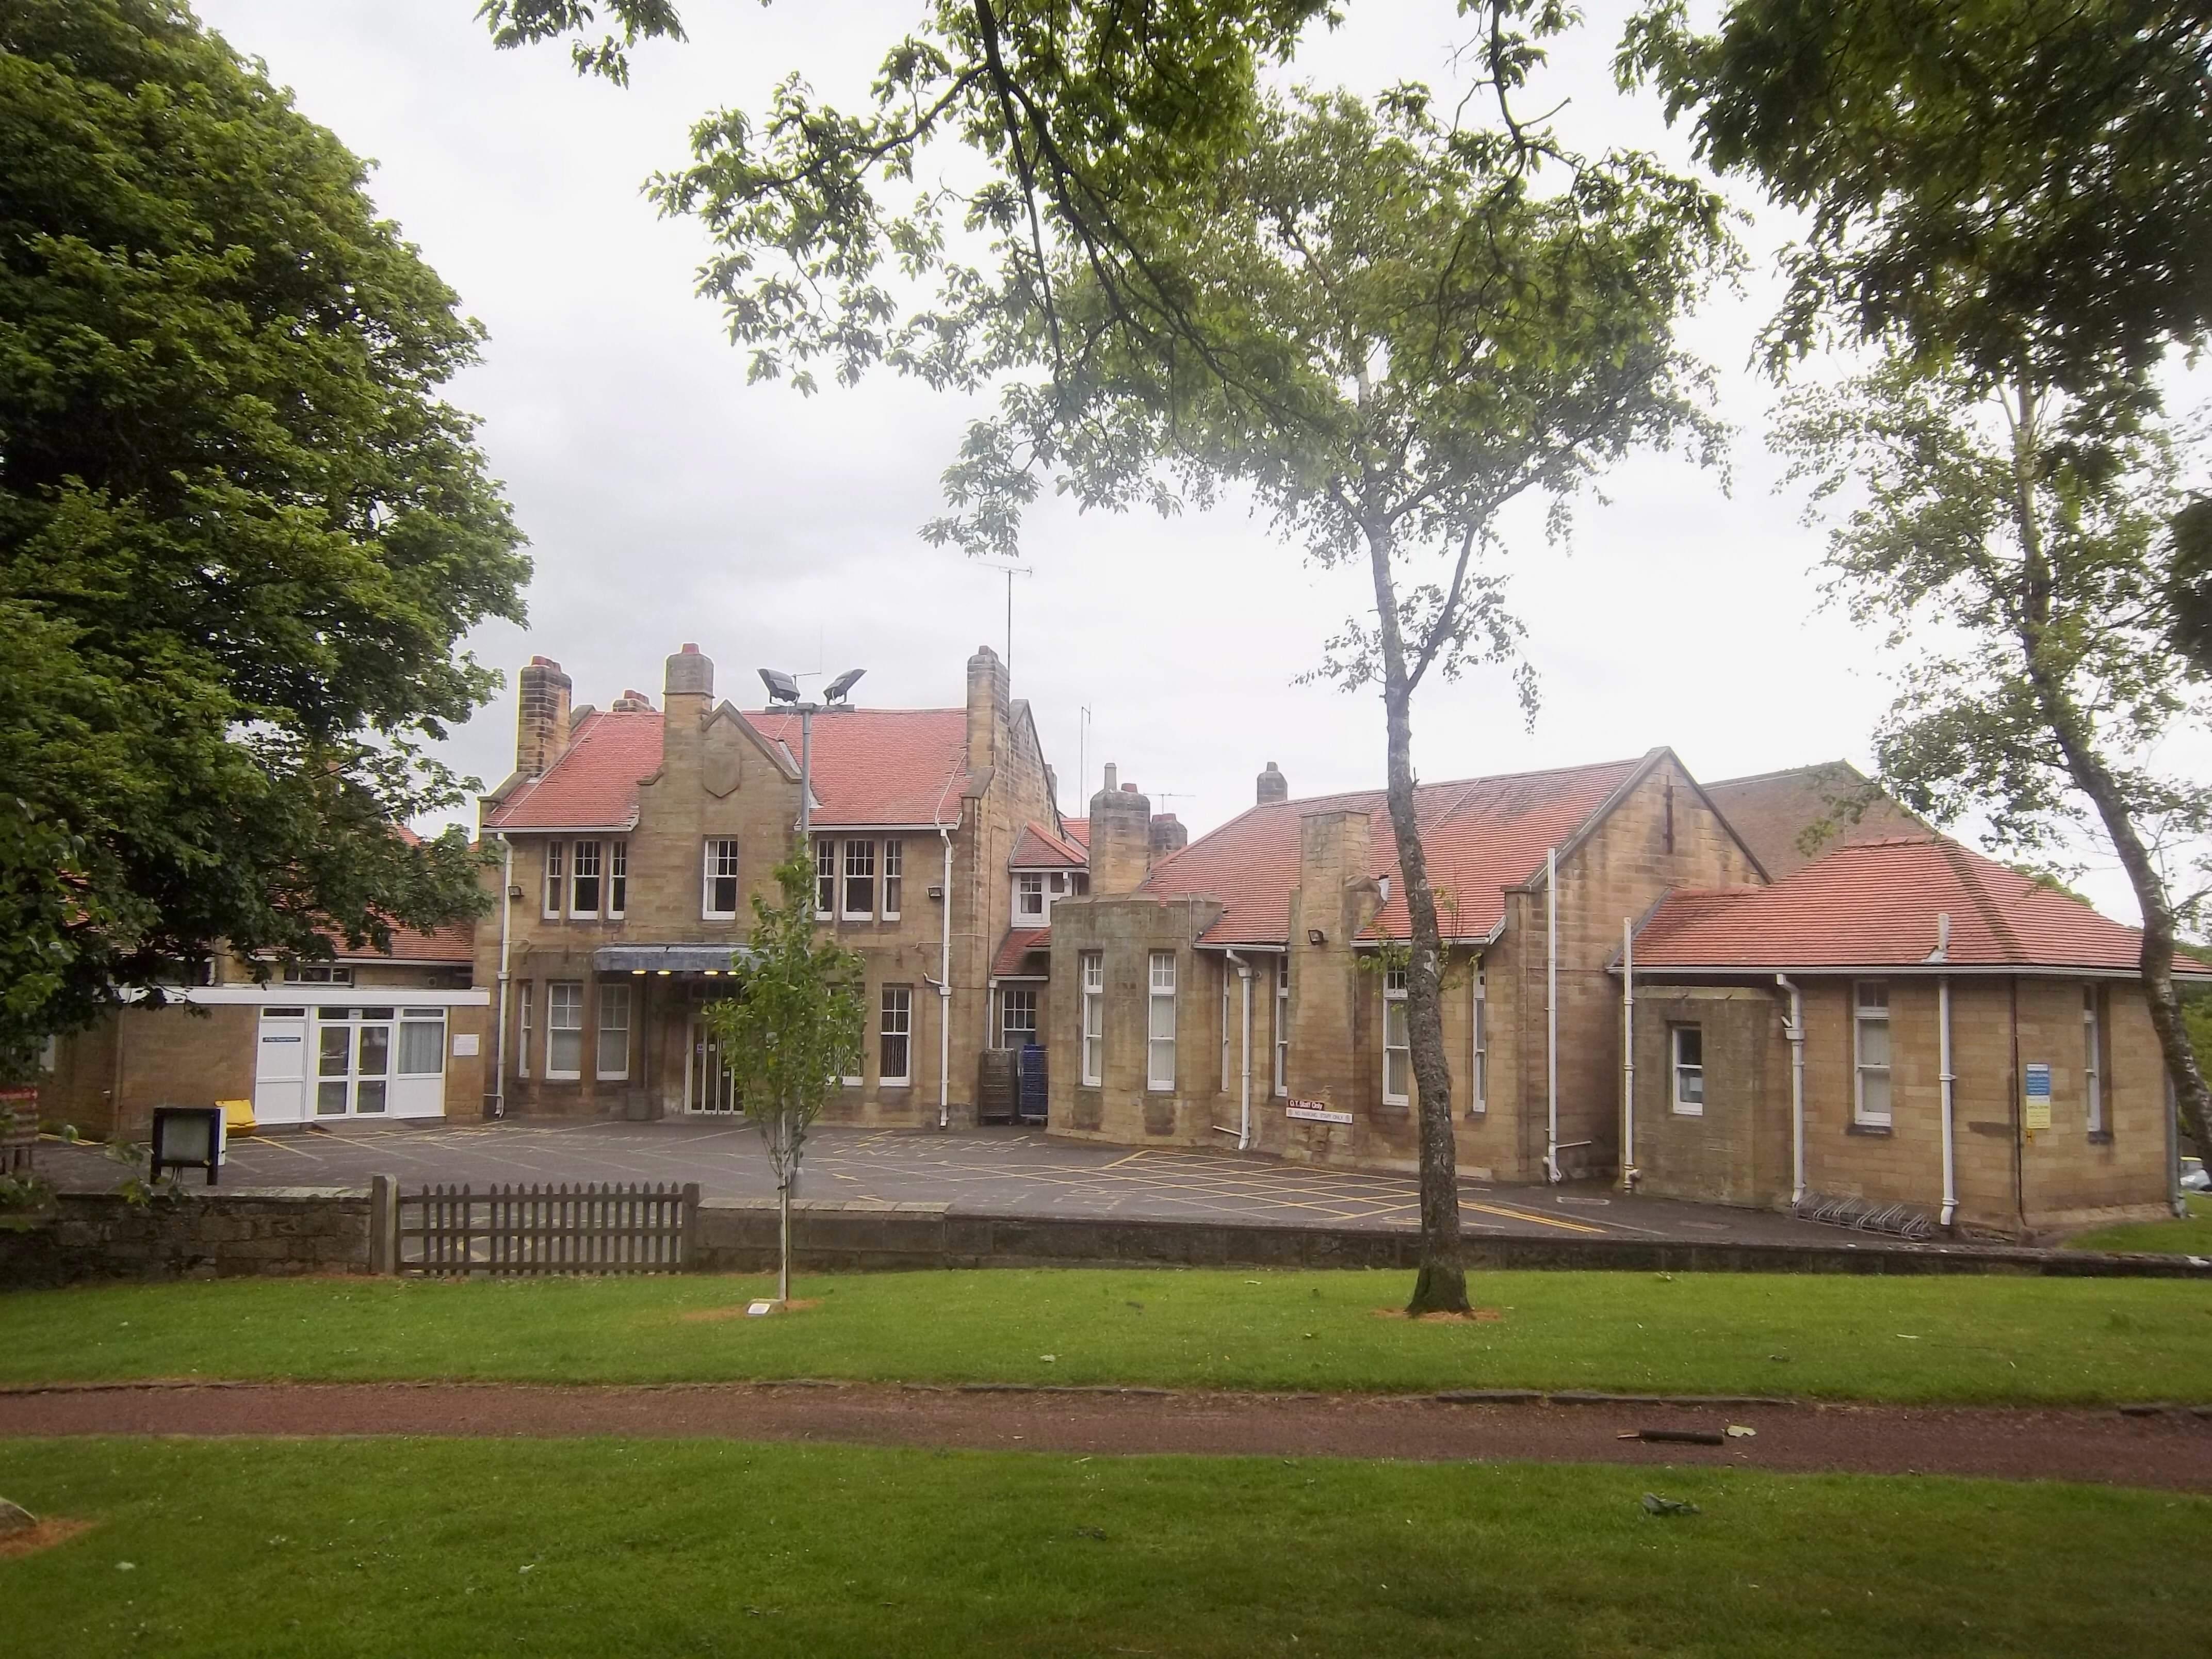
x=1874 y=905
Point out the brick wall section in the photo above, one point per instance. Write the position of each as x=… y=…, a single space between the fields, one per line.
x=201 y=1234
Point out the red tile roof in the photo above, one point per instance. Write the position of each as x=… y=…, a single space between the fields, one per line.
x=1876 y=905
x=593 y=784
x=1038 y=848
x=1078 y=831
x=452 y=946
x=1481 y=835
x=881 y=766
x=1019 y=943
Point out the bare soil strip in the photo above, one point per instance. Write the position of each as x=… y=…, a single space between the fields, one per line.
x=2171 y=1448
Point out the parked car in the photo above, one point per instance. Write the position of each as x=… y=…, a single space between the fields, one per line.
x=2195 y=1178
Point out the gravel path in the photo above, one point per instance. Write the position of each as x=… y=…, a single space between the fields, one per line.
x=2170 y=1447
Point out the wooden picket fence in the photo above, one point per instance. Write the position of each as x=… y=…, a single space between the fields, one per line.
x=586 y=1229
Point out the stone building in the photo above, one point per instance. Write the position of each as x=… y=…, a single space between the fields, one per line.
x=634 y=839
x=1239 y=991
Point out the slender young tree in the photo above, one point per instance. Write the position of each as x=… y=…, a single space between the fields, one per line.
x=1405 y=337
x=2052 y=699
x=793 y=1027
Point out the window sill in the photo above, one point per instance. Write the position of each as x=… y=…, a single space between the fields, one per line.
x=1686 y=1111
x=1878 y=1130
x=2100 y=1137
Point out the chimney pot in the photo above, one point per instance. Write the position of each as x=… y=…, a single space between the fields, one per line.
x=1272 y=785
x=1128 y=788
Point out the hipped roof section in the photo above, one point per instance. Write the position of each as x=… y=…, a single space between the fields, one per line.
x=1876 y=905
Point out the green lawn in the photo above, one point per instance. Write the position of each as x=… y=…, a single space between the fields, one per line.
x=2191 y=1237
x=1840 y=1337
x=598 y=1547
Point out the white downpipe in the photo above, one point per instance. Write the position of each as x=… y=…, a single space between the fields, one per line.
x=1244 y=1109
x=944 y=996
x=1627 y=1054
x=1795 y=1031
x=505 y=940
x=1950 y=1155
x=1552 y=1016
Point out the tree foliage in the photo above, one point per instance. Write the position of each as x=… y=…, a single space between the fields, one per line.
x=2022 y=186
x=240 y=535
x=794 y=1026
x=2050 y=697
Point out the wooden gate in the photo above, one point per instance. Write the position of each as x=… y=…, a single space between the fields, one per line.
x=588 y=1229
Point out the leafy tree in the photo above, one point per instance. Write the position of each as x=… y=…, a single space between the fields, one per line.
x=793 y=1028
x=1375 y=323
x=2054 y=695
x=2014 y=203
x=239 y=535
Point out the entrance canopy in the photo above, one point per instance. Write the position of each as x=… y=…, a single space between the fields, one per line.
x=669 y=958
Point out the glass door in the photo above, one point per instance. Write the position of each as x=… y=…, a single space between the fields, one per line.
x=353 y=1061
x=707 y=1084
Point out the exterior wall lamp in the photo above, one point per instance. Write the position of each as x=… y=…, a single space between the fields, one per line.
x=1315 y=936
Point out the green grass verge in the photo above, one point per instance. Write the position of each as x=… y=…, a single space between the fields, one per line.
x=2189 y=1235
x=1990 y=1340
x=597 y=1548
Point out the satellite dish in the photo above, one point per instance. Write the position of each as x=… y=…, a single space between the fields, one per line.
x=835 y=691
x=781 y=688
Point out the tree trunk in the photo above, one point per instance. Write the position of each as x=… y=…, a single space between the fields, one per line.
x=2093 y=778
x=783 y=1241
x=1441 y=1286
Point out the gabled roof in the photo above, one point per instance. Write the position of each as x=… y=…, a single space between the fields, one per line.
x=881 y=766
x=1481 y=835
x=1077 y=830
x=593 y=784
x=1770 y=811
x=1876 y=905
x=452 y=946
x=1038 y=848
x=1020 y=943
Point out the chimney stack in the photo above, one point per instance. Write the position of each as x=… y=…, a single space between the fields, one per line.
x=1168 y=836
x=1121 y=836
x=1273 y=785
x=541 y=727
x=988 y=708
x=687 y=687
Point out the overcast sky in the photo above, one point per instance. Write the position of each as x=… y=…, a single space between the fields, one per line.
x=666 y=501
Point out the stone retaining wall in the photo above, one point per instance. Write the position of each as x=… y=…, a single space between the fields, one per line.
x=214 y=1235
x=864 y=1236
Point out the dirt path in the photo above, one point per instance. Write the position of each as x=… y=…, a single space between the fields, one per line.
x=2171 y=1448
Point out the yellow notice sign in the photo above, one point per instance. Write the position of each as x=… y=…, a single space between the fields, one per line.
x=2039 y=1098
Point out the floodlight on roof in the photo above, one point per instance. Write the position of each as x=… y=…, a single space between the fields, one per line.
x=781 y=688
x=838 y=690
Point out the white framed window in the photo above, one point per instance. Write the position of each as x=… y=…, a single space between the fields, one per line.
x=2093 y=1060
x=564 y=1028
x=1685 y=1061
x=584 y=879
x=1870 y=1104
x=717 y=899
x=895 y=1045
x=617 y=878
x=860 y=880
x=1094 y=1017
x=522 y=1049
x=894 y=877
x=554 y=863
x=1478 y=1078
x=1160 y=1023
x=1282 y=1025
x=421 y=1041
x=1397 y=1041
x=613 y=1058
x=825 y=877
x=1029 y=896
x=1017 y=1016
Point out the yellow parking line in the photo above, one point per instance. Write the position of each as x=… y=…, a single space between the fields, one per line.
x=1559 y=1222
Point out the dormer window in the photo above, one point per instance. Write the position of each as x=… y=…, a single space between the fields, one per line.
x=1029 y=898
